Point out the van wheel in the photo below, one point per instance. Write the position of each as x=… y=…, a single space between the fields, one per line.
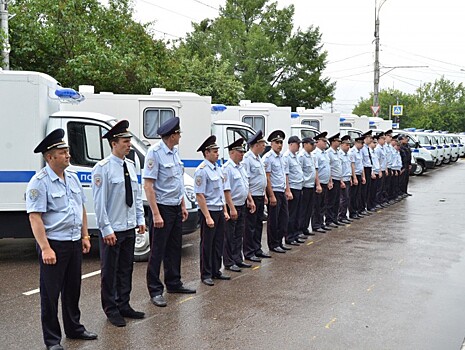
x=420 y=168
x=142 y=247
x=454 y=159
x=439 y=162
x=446 y=161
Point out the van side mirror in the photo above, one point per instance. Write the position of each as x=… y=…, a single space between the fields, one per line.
x=417 y=144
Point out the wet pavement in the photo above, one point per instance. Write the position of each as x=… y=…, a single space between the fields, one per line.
x=394 y=280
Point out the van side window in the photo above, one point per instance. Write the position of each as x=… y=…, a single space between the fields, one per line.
x=314 y=123
x=308 y=133
x=345 y=125
x=153 y=118
x=86 y=146
x=233 y=134
x=257 y=122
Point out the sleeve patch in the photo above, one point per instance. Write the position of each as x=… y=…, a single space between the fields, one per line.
x=33 y=194
x=198 y=180
x=97 y=180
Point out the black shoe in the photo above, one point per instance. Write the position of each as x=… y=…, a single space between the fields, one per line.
x=222 y=277
x=116 y=320
x=234 y=268
x=355 y=217
x=340 y=223
x=294 y=243
x=326 y=228
x=208 y=282
x=319 y=230
x=254 y=259
x=158 y=300
x=331 y=224
x=244 y=265
x=307 y=233
x=409 y=194
x=86 y=335
x=55 y=347
x=311 y=233
x=131 y=313
x=278 y=250
x=300 y=240
x=285 y=247
x=263 y=255
x=303 y=236
x=182 y=290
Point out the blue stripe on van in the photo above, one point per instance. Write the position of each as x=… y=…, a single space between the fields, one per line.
x=16 y=176
x=191 y=163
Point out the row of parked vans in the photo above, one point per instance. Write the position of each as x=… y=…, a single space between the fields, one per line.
x=33 y=104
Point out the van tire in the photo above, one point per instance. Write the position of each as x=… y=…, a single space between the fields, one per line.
x=454 y=159
x=420 y=168
x=142 y=247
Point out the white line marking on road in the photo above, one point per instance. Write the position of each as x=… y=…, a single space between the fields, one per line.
x=87 y=275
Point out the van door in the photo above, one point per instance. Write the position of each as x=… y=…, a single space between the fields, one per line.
x=152 y=114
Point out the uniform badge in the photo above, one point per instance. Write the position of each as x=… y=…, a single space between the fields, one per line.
x=97 y=180
x=198 y=180
x=150 y=163
x=225 y=178
x=33 y=194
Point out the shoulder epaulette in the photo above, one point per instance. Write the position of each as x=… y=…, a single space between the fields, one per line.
x=42 y=174
x=103 y=162
x=71 y=171
x=202 y=165
x=130 y=161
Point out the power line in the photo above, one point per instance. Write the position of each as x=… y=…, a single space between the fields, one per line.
x=200 y=2
x=343 y=70
x=165 y=33
x=348 y=58
x=428 y=58
x=164 y=8
x=354 y=75
x=344 y=44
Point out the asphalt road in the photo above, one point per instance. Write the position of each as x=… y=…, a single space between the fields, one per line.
x=394 y=280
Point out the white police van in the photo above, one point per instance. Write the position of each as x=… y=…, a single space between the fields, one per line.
x=30 y=106
x=424 y=155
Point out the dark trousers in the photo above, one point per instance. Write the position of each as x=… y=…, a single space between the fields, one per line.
x=165 y=246
x=391 y=184
x=334 y=196
x=320 y=208
x=355 y=194
x=366 y=188
x=387 y=184
x=253 y=228
x=344 y=201
x=373 y=191
x=294 y=209
x=403 y=180
x=380 y=192
x=232 y=248
x=64 y=277
x=306 y=208
x=211 y=244
x=278 y=217
x=116 y=271
x=394 y=191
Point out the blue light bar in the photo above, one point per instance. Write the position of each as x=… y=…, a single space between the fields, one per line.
x=342 y=120
x=218 y=108
x=295 y=115
x=67 y=93
x=372 y=123
x=430 y=148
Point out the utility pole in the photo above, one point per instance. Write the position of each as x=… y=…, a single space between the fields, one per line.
x=5 y=45
x=376 y=66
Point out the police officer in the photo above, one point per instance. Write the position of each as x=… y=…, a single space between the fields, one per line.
x=296 y=180
x=164 y=188
x=389 y=174
x=118 y=210
x=381 y=153
x=334 y=195
x=406 y=155
x=346 y=179
x=255 y=168
x=358 y=179
x=278 y=193
x=310 y=185
x=397 y=169
x=236 y=194
x=376 y=175
x=367 y=168
x=323 y=167
x=55 y=203
x=213 y=213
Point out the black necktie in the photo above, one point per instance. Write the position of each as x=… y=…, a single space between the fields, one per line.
x=127 y=185
x=369 y=155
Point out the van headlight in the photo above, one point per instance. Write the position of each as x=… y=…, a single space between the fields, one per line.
x=190 y=194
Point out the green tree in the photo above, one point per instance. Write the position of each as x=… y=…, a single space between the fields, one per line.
x=273 y=64
x=84 y=42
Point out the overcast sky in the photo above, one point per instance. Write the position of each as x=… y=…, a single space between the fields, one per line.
x=412 y=33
